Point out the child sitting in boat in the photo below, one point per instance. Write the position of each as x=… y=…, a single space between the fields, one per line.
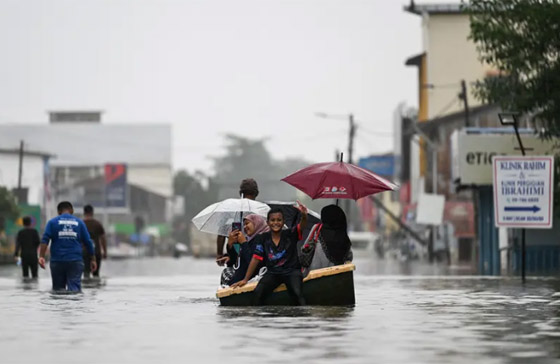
x=277 y=249
x=328 y=243
x=241 y=254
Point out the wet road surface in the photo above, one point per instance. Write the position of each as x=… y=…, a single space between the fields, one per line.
x=164 y=310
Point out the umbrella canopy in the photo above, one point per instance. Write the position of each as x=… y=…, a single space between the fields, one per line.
x=217 y=218
x=338 y=180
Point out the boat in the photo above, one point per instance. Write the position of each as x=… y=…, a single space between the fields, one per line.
x=332 y=286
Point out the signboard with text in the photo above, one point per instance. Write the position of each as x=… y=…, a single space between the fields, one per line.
x=472 y=153
x=523 y=191
x=383 y=165
x=116 y=191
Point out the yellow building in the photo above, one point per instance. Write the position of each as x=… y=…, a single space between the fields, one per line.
x=448 y=58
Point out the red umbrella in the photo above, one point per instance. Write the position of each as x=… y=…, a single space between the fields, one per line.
x=338 y=180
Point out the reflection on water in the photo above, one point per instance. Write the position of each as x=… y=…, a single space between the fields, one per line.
x=164 y=310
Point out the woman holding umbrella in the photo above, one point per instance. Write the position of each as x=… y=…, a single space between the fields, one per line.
x=253 y=225
x=277 y=250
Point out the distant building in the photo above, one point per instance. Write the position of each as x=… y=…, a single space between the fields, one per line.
x=75 y=116
x=34 y=166
x=83 y=146
x=448 y=66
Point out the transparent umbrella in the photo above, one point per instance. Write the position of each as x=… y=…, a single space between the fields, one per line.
x=219 y=217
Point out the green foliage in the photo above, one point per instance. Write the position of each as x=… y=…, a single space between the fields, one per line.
x=195 y=194
x=521 y=39
x=249 y=158
x=243 y=158
x=8 y=207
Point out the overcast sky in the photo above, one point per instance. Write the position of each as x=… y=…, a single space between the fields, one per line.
x=259 y=68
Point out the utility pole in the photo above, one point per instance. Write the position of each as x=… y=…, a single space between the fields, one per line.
x=351 y=134
x=464 y=96
x=510 y=118
x=20 y=198
x=20 y=170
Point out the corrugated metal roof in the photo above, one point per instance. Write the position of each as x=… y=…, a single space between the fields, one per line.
x=444 y=8
x=90 y=144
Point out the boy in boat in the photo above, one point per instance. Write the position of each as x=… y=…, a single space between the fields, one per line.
x=277 y=249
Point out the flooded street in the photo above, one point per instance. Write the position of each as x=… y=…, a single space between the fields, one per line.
x=164 y=310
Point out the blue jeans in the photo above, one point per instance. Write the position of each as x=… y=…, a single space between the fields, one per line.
x=67 y=276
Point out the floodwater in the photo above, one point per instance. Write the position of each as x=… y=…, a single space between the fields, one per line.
x=164 y=310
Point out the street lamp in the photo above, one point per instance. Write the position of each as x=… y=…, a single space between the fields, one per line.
x=509 y=118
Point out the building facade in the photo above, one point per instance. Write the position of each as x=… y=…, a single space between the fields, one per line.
x=83 y=146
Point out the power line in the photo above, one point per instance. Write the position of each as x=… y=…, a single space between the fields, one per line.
x=379 y=134
x=446 y=107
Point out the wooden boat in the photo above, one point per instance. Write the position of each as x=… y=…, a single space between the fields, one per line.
x=332 y=286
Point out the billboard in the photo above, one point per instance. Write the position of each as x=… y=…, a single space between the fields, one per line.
x=472 y=153
x=523 y=191
x=116 y=191
x=383 y=165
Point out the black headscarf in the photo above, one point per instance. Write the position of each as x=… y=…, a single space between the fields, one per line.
x=334 y=236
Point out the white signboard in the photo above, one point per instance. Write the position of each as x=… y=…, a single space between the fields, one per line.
x=430 y=209
x=472 y=153
x=523 y=191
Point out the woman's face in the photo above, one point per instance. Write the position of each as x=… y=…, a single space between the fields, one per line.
x=249 y=227
x=276 y=222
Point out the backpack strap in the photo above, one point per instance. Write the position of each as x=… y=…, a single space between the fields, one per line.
x=316 y=231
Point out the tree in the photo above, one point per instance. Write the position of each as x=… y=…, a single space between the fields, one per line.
x=249 y=158
x=521 y=40
x=196 y=197
x=8 y=209
x=8 y=204
x=195 y=194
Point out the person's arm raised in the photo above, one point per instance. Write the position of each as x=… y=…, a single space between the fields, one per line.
x=301 y=207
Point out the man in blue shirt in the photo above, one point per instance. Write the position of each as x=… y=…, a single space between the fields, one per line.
x=66 y=233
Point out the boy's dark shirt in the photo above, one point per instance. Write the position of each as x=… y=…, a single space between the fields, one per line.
x=281 y=259
x=95 y=230
x=28 y=241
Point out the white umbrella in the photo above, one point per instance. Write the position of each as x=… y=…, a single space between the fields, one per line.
x=218 y=218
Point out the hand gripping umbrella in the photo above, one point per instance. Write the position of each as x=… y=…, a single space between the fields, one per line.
x=218 y=218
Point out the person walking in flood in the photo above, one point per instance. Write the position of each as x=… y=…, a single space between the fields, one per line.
x=97 y=234
x=27 y=243
x=277 y=249
x=66 y=234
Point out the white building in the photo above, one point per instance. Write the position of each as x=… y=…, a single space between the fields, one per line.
x=33 y=167
x=82 y=149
